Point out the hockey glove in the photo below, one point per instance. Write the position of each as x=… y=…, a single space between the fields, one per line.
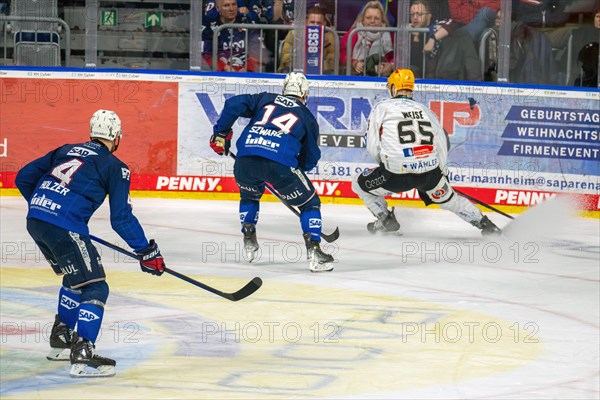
x=151 y=261
x=220 y=142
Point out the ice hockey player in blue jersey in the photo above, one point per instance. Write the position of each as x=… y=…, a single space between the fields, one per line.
x=63 y=189
x=279 y=144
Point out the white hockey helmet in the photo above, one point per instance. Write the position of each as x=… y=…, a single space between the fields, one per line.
x=105 y=124
x=295 y=84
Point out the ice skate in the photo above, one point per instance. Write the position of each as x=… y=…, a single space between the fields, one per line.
x=250 y=242
x=86 y=364
x=318 y=261
x=488 y=228
x=61 y=338
x=388 y=224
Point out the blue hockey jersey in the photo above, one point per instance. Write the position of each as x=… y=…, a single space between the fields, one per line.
x=67 y=185
x=281 y=129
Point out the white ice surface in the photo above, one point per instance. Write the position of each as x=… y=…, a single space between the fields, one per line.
x=437 y=312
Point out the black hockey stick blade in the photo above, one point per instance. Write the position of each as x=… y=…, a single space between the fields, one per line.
x=244 y=292
x=332 y=237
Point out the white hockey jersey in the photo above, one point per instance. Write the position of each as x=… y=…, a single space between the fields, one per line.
x=406 y=137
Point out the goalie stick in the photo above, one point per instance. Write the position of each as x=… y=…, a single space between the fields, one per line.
x=244 y=292
x=330 y=238
x=481 y=203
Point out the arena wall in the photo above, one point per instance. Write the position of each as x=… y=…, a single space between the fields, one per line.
x=511 y=146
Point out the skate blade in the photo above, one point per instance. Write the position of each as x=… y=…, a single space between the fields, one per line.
x=251 y=253
x=386 y=233
x=56 y=354
x=316 y=267
x=85 y=371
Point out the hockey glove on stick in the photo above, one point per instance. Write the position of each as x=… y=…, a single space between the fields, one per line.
x=151 y=261
x=220 y=142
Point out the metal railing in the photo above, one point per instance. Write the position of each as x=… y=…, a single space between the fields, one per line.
x=379 y=29
x=484 y=45
x=261 y=27
x=492 y=33
x=16 y=18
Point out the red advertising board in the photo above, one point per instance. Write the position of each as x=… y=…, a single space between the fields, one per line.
x=38 y=115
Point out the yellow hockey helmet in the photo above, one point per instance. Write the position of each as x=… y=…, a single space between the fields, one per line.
x=401 y=79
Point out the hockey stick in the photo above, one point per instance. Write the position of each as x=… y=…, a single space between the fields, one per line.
x=481 y=203
x=244 y=292
x=332 y=237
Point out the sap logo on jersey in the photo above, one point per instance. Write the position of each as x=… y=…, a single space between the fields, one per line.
x=314 y=223
x=284 y=101
x=68 y=303
x=261 y=142
x=88 y=316
x=81 y=152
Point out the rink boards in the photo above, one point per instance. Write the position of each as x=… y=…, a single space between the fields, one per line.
x=511 y=146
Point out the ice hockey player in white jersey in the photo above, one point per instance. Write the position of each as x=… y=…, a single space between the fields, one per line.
x=411 y=148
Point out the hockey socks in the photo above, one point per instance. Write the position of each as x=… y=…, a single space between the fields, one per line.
x=61 y=335
x=68 y=306
x=249 y=211
x=310 y=220
x=90 y=320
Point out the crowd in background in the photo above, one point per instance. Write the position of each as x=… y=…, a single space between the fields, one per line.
x=450 y=49
x=551 y=41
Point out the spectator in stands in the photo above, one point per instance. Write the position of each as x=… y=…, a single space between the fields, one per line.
x=541 y=13
x=550 y=17
x=597 y=19
x=454 y=58
x=314 y=16
x=372 y=53
x=248 y=10
x=588 y=61
x=420 y=17
x=472 y=16
x=233 y=53
x=531 y=58
x=282 y=11
x=350 y=8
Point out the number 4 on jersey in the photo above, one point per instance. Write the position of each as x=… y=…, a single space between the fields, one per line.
x=65 y=171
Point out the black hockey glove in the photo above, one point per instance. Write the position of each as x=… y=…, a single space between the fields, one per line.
x=220 y=142
x=151 y=261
